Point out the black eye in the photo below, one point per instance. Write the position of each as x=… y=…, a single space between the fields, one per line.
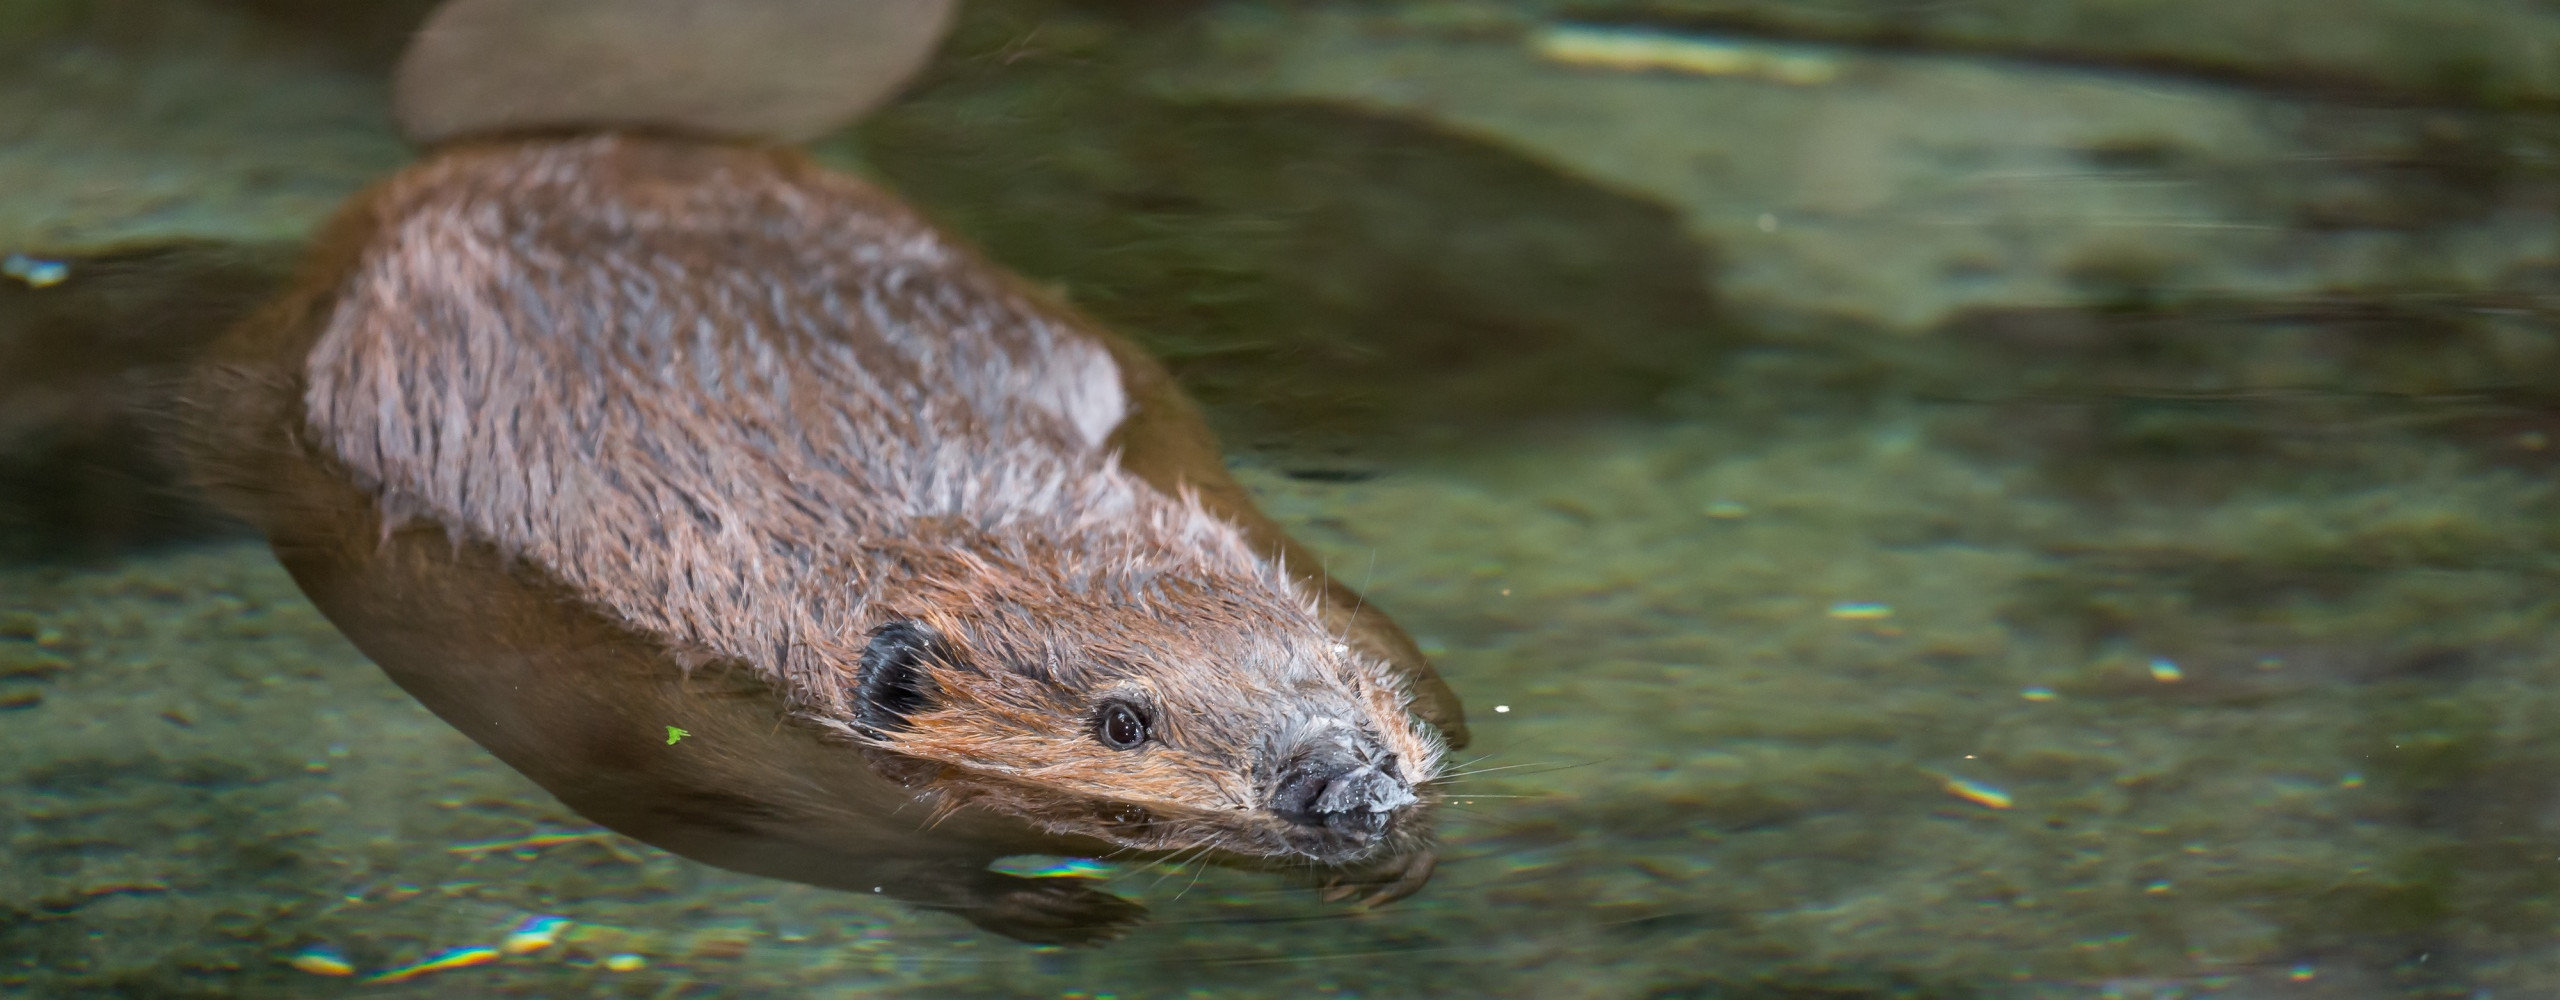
x=1119 y=726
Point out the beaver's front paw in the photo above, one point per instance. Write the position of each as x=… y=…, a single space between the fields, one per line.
x=1064 y=911
x=1379 y=886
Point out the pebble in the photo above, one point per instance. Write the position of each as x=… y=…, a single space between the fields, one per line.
x=1979 y=793
x=321 y=960
x=1634 y=50
x=450 y=958
x=534 y=934
x=36 y=272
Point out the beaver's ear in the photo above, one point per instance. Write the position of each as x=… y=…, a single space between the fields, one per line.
x=773 y=70
x=896 y=679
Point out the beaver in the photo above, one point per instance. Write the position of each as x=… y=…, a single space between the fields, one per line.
x=597 y=423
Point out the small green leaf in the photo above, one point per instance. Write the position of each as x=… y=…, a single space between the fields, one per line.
x=674 y=734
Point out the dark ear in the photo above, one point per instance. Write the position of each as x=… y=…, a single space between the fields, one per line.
x=895 y=679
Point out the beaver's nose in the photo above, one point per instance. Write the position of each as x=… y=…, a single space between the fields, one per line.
x=1342 y=796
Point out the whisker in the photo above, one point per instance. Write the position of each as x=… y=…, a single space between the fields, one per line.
x=1477 y=759
x=1151 y=864
x=1446 y=775
x=1187 y=856
x=1551 y=767
x=1199 y=870
x=1499 y=751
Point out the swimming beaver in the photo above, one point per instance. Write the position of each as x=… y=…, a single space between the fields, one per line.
x=597 y=422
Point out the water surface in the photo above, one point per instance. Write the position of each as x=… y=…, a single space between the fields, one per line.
x=1915 y=506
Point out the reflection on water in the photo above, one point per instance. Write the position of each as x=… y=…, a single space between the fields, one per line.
x=2027 y=511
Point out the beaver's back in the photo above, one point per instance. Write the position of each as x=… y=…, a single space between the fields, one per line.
x=726 y=395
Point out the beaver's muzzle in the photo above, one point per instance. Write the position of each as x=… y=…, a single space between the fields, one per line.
x=1342 y=795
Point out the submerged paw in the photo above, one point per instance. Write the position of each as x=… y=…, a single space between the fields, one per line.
x=1063 y=911
x=1381 y=886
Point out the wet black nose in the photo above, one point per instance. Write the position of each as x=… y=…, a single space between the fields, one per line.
x=1344 y=798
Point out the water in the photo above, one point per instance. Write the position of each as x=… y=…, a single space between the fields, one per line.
x=1919 y=502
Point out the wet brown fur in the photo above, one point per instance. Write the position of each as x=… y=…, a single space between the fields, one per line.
x=582 y=437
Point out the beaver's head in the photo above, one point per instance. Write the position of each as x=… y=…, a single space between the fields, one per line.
x=1151 y=710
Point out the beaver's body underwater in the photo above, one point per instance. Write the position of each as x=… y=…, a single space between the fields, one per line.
x=581 y=438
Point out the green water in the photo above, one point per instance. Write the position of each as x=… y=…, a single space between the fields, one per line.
x=2034 y=501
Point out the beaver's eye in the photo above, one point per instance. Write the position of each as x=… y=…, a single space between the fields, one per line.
x=1119 y=726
